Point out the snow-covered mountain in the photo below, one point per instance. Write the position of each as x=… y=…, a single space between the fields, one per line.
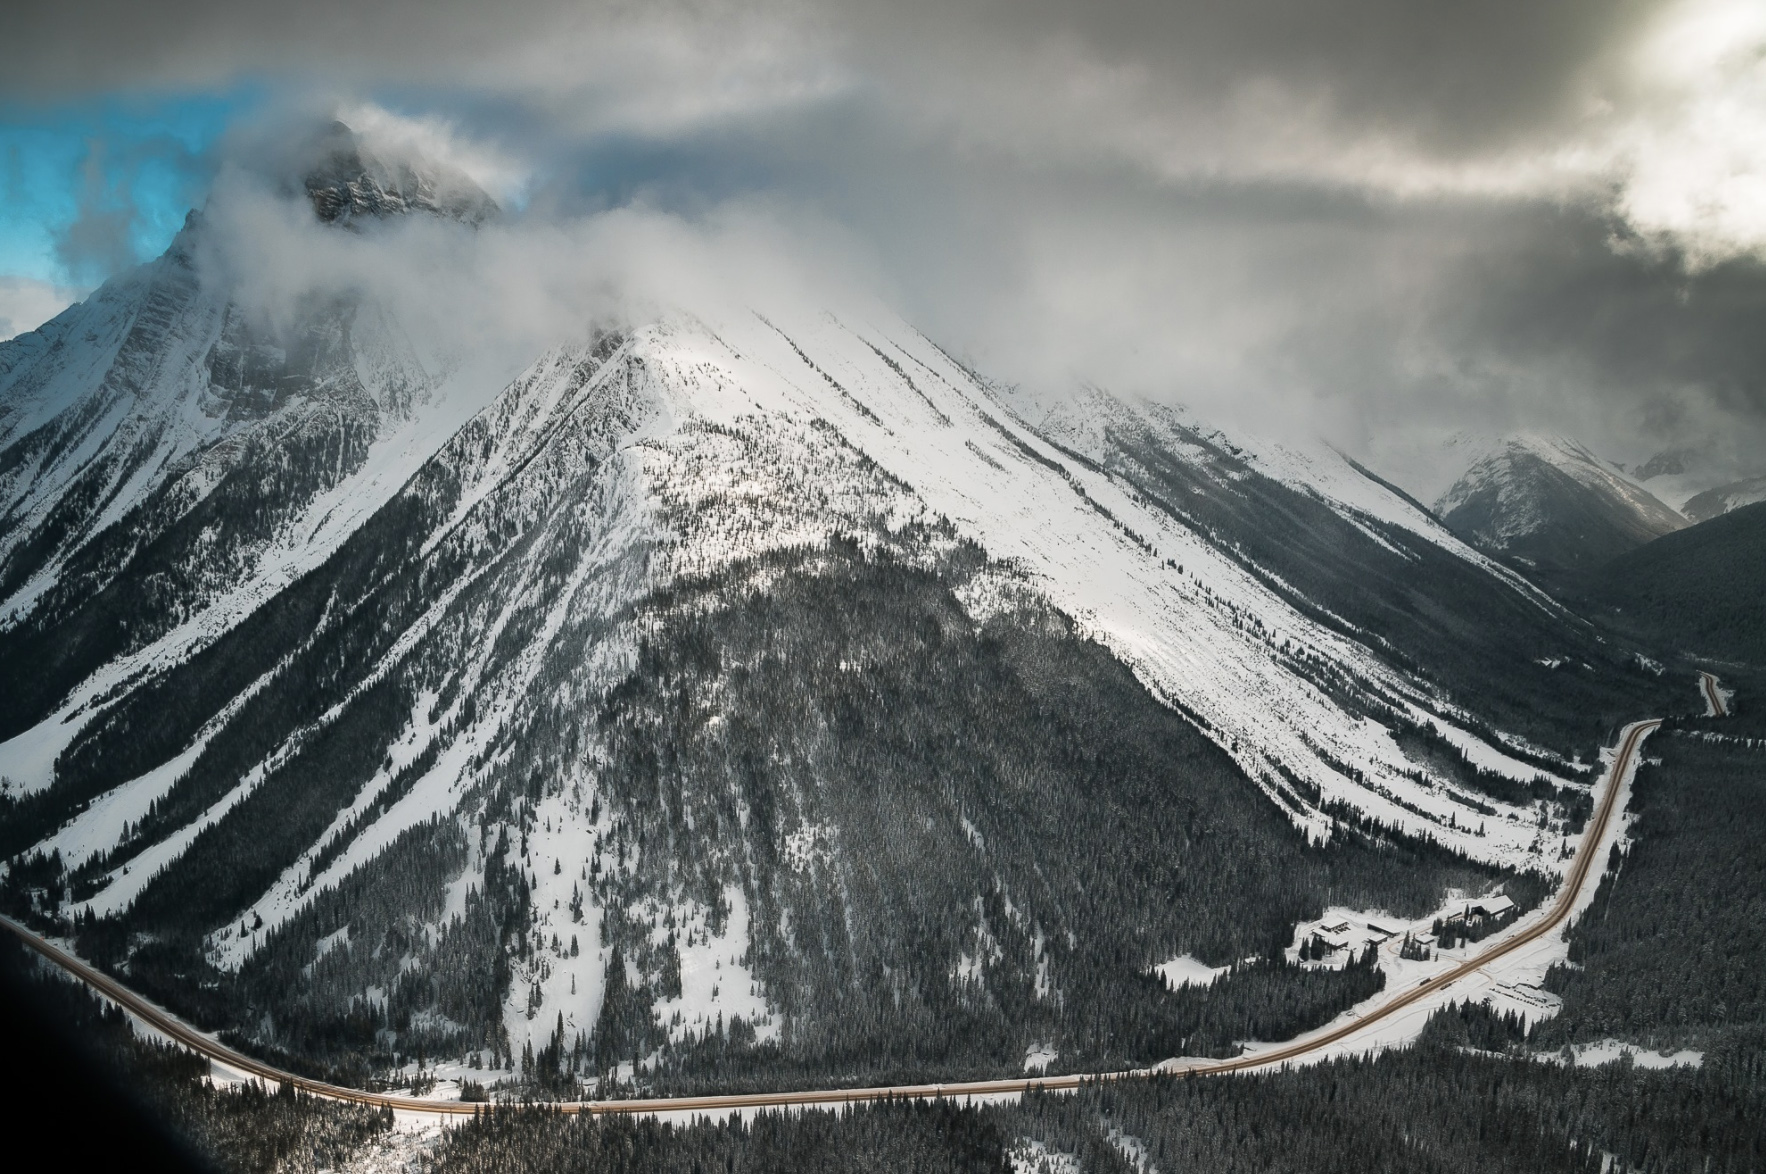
x=1711 y=503
x=1701 y=483
x=763 y=683
x=347 y=180
x=1551 y=503
x=166 y=452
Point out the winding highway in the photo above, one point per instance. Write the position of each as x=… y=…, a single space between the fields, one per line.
x=1713 y=694
x=1583 y=874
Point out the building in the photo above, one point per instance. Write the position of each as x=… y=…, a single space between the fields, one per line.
x=1498 y=906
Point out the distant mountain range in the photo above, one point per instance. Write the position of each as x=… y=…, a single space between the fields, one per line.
x=1563 y=513
x=1698 y=484
x=1712 y=503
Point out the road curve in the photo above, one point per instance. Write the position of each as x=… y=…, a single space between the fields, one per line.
x=1581 y=873
x=1713 y=694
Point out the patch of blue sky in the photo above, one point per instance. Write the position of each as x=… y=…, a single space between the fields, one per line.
x=129 y=163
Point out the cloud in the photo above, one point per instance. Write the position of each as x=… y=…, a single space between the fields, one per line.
x=1652 y=106
x=98 y=241
x=484 y=301
x=101 y=194
x=439 y=140
x=1693 y=148
x=1375 y=218
x=26 y=304
x=1383 y=324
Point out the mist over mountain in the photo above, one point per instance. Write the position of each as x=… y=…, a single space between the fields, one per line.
x=1200 y=558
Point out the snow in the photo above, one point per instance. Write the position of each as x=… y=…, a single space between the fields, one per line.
x=810 y=845
x=408 y=1145
x=1184 y=970
x=727 y=439
x=1484 y=756
x=1323 y=471
x=561 y=844
x=715 y=983
x=27 y=760
x=1134 y=1151
x=190 y=429
x=1078 y=537
x=1608 y=1051
x=1709 y=494
x=126 y=882
x=191 y=438
x=331 y=941
x=1038 y=1057
x=101 y=826
x=1029 y=1156
x=1492 y=464
x=440 y=789
x=950 y=450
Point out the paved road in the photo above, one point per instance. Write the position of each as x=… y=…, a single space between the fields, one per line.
x=1713 y=695
x=1582 y=873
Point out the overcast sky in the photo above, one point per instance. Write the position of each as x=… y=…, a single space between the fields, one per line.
x=1381 y=219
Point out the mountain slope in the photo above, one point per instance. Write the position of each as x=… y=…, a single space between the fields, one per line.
x=169 y=457
x=1553 y=505
x=1701 y=590
x=749 y=692
x=1712 y=503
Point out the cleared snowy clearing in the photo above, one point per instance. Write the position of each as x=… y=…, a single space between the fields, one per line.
x=1184 y=970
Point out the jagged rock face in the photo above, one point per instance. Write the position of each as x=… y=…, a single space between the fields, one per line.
x=347 y=182
x=1672 y=462
x=773 y=670
x=1553 y=505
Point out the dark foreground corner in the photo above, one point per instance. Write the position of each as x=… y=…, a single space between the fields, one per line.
x=63 y=1108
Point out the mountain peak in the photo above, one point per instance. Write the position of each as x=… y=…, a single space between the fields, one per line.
x=347 y=179
x=1551 y=502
